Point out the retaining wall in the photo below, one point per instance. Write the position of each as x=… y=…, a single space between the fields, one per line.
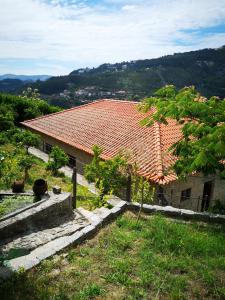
x=35 y=214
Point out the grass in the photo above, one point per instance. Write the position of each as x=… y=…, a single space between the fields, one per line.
x=12 y=203
x=84 y=197
x=157 y=259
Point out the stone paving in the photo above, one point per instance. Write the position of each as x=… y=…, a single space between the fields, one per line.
x=66 y=170
x=34 y=238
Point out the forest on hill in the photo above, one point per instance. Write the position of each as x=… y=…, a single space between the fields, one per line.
x=134 y=80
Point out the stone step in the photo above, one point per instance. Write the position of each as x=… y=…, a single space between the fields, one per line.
x=32 y=240
x=102 y=212
x=93 y=218
x=116 y=201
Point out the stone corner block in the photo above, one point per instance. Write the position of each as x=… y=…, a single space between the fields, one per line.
x=25 y=262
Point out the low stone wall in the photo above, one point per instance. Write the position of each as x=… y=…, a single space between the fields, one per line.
x=35 y=214
x=179 y=213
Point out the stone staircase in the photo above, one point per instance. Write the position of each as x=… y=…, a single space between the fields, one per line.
x=49 y=241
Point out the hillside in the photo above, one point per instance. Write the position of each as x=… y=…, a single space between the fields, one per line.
x=136 y=79
x=10 y=83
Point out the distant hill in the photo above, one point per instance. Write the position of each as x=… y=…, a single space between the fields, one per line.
x=25 y=77
x=10 y=83
x=137 y=79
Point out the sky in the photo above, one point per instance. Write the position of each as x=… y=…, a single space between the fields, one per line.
x=56 y=37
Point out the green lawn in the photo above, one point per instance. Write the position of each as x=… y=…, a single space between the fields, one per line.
x=157 y=259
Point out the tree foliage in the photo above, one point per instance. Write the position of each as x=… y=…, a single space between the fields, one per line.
x=58 y=159
x=202 y=147
x=16 y=109
x=26 y=162
x=25 y=138
x=30 y=93
x=9 y=170
x=6 y=118
x=108 y=176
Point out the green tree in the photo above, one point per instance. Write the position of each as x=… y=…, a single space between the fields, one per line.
x=58 y=159
x=30 y=93
x=25 y=138
x=26 y=163
x=9 y=170
x=22 y=108
x=202 y=146
x=142 y=190
x=109 y=176
x=6 y=117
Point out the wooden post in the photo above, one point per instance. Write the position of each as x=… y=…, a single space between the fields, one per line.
x=128 y=193
x=74 y=181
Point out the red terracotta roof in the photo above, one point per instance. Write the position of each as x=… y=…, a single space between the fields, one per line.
x=114 y=125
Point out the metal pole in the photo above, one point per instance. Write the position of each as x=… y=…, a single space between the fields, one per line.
x=74 y=181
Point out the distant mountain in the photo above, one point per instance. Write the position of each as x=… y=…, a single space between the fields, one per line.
x=25 y=77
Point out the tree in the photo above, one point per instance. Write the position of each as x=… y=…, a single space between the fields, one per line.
x=6 y=117
x=25 y=138
x=108 y=176
x=26 y=163
x=30 y=93
x=9 y=170
x=142 y=190
x=202 y=120
x=58 y=159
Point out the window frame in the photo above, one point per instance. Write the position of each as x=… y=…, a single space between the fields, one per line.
x=185 y=195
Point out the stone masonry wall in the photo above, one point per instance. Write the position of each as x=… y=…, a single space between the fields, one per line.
x=82 y=157
x=56 y=205
x=196 y=183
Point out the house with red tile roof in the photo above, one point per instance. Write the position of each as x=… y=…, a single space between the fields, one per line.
x=115 y=126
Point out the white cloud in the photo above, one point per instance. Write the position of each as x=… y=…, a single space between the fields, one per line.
x=90 y=35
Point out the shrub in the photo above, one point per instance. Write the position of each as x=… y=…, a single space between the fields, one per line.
x=58 y=159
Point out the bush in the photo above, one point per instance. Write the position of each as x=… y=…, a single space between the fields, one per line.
x=58 y=159
x=217 y=208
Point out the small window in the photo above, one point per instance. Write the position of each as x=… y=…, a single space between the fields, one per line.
x=72 y=161
x=48 y=148
x=185 y=195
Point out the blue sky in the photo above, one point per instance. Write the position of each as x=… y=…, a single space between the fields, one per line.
x=57 y=36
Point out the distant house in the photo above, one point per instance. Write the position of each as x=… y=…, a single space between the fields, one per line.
x=115 y=125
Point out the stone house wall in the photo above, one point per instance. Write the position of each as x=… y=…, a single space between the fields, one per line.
x=82 y=158
x=173 y=191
